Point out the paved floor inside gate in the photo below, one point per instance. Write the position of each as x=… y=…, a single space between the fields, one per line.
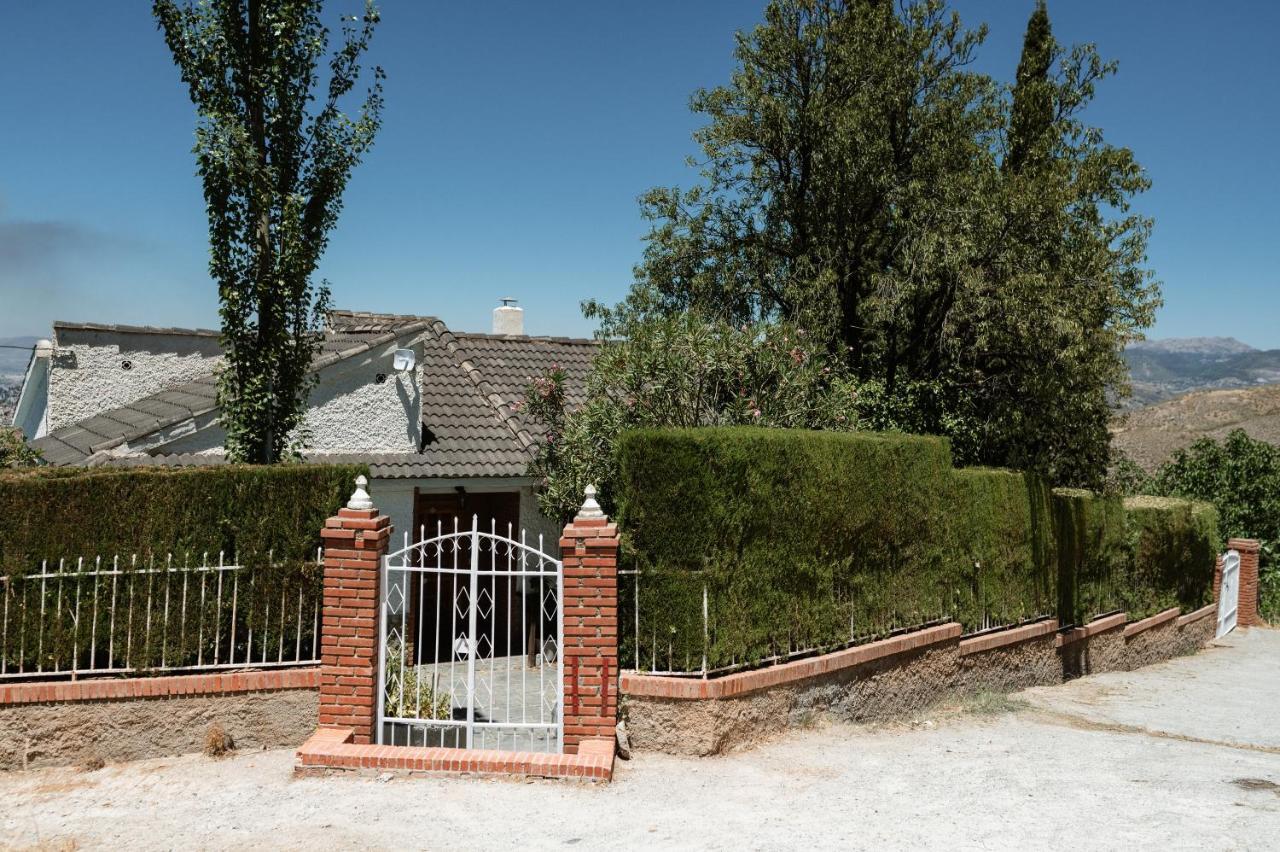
x=1180 y=755
x=508 y=690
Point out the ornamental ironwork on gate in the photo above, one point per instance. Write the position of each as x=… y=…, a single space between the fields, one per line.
x=470 y=633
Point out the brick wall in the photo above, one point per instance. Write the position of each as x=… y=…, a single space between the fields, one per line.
x=355 y=541
x=589 y=549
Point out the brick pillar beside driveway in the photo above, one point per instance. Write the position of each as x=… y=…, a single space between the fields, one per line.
x=589 y=551
x=355 y=541
x=1248 y=548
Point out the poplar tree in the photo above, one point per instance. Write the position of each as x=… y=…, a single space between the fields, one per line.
x=274 y=150
x=1032 y=112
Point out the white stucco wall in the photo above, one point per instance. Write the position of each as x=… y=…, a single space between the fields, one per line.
x=349 y=412
x=87 y=377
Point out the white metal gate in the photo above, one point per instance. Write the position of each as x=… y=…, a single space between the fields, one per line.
x=470 y=632
x=1229 y=593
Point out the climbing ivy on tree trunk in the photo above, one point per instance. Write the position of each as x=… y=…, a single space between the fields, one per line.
x=274 y=158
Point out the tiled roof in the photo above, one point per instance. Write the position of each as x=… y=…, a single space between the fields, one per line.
x=75 y=444
x=134 y=329
x=470 y=385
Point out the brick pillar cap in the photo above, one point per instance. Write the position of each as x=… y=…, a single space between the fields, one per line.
x=1244 y=544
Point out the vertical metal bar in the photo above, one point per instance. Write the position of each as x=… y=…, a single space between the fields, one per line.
x=526 y=586
x=4 y=636
x=637 y=597
x=541 y=620
x=217 y=613
x=44 y=571
x=471 y=627
x=151 y=576
x=559 y=567
x=453 y=612
x=182 y=624
x=435 y=659
x=280 y=649
x=128 y=635
x=93 y=624
x=235 y=591
x=253 y=599
x=111 y=628
x=315 y=613
x=404 y=621
x=75 y=621
x=706 y=632
x=57 y=608
x=493 y=611
x=417 y=624
x=204 y=573
x=164 y=635
x=508 y=655
x=22 y=634
x=297 y=630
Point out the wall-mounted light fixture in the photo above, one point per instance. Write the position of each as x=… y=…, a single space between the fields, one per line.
x=404 y=360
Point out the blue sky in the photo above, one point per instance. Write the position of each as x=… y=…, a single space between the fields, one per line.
x=518 y=136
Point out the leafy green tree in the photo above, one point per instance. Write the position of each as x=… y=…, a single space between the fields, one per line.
x=1240 y=476
x=274 y=161
x=853 y=182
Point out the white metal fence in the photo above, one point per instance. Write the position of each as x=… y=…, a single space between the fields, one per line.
x=123 y=616
x=470 y=637
x=669 y=627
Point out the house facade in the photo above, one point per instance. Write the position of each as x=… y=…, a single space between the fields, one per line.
x=434 y=413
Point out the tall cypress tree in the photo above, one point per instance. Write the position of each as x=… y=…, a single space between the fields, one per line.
x=1032 y=93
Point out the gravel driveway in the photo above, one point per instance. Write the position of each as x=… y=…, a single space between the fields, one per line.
x=1180 y=755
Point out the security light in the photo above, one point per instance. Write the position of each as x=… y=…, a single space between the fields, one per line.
x=404 y=360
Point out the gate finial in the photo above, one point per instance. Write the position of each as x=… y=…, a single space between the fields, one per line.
x=590 y=508
x=360 y=498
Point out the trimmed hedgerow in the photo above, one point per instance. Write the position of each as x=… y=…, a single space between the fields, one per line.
x=808 y=540
x=267 y=519
x=1172 y=542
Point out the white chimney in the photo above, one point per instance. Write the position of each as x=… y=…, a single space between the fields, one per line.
x=508 y=318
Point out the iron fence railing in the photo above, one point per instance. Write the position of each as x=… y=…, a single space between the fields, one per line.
x=126 y=616
x=684 y=634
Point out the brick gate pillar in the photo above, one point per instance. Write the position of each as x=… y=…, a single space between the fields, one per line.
x=354 y=543
x=589 y=550
x=1248 y=548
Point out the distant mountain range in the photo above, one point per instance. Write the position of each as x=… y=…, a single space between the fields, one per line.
x=1163 y=369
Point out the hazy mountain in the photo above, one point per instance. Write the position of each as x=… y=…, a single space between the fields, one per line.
x=1162 y=369
x=13 y=362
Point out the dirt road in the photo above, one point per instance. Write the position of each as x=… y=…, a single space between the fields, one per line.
x=1180 y=755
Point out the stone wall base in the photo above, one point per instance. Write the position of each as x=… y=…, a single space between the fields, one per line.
x=167 y=722
x=894 y=679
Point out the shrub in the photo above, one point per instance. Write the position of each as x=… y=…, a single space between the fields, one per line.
x=810 y=540
x=266 y=518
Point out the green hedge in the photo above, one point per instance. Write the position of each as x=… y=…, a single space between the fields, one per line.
x=815 y=539
x=266 y=518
